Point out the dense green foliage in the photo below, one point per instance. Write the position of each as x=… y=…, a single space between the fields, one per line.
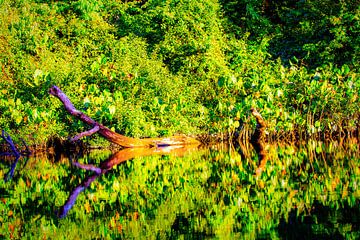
x=149 y=68
x=306 y=192
x=316 y=32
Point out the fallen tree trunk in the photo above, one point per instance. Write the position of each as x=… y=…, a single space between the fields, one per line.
x=113 y=136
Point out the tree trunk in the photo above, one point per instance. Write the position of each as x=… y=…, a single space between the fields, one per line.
x=113 y=136
x=258 y=140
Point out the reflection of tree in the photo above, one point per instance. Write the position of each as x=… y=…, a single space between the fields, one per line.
x=258 y=140
x=116 y=159
x=296 y=183
x=13 y=152
x=211 y=192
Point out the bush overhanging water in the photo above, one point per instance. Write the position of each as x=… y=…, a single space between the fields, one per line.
x=150 y=68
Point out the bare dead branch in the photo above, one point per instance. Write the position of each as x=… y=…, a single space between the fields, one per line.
x=115 y=137
x=86 y=133
x=11 y=144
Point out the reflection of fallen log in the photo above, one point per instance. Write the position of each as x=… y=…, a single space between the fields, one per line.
x=113 y=136
x=75 y=193
x=116 y=159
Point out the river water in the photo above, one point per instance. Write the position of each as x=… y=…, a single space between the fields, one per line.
x=302 y=191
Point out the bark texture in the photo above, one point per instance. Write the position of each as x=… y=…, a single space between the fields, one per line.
x=113 y=136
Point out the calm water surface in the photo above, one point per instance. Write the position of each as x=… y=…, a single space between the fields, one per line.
x=221 y=192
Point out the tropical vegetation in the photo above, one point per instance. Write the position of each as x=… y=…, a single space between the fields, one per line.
x=158 y=68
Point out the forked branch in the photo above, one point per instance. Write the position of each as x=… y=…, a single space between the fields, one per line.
x=113 y=136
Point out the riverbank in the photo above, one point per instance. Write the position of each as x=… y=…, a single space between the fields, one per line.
x=57 y=144
x=160 y=69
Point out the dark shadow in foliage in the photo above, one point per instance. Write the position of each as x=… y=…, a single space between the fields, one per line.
x=247 y=16
x=312 y=33
x=318 y=33
x=153 y=23
x=181 y=224
x=301 y=24
x=323 y=223
x=183 y=227
x=135 y=20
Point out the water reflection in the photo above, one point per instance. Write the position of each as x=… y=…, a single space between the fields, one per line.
x=303 y=191
x=13 y=153
x=116 y=159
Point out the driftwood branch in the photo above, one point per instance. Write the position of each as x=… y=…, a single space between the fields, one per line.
x=86 y=133
x=113 y=136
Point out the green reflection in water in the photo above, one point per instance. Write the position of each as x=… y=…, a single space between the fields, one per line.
x=303 y=191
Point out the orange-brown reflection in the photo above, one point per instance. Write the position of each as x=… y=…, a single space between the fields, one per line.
x=116 y=159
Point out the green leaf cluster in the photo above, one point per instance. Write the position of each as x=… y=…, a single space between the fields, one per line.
x=152 y=68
